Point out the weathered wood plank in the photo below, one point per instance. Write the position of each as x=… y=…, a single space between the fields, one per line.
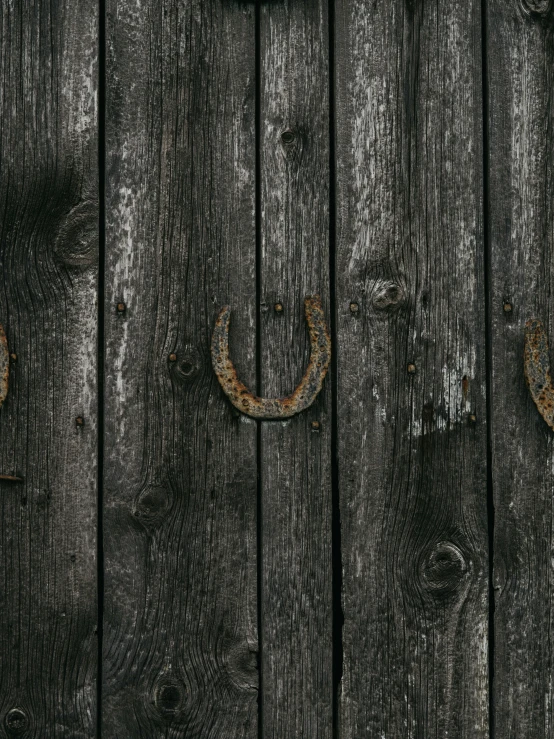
x=520 y=52
x=48 y=306
x=180 y=466
x=295 y=458
x=411 y=369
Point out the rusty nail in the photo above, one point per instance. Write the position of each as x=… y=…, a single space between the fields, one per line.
x=354 y=307
x=80 y=421
x=121 y=307
x=309 y=386
x=537 y=369
x=11 y=478
x=172 y=357
x=507 y=307
x=278 y=307
x=316 y=426
x=472 y=418
x=411 y=369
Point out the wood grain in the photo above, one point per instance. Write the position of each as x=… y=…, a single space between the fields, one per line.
x=48 y=306
x=411 y=370
x=296 y=586
x=521 y=143
x=180 y=656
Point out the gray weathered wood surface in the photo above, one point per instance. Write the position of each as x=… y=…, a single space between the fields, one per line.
x=412 y=465
x=239 y=137
x=521 y=155
x=48 y=306
x=180 y=638
x=296 y=592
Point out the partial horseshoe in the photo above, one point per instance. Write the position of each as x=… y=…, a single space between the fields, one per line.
x=4 y=366
x=306 y=391
x=537 y=369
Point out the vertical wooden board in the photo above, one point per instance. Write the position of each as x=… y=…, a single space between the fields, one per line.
x=411 y=370
x=295 y=459
x=48 y=306
x=520 y=61
x=180 y=640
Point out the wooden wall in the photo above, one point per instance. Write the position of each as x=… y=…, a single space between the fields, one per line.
x=377 y=567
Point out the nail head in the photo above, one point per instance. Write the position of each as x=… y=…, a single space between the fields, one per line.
x=508 y=307
x=316 y=426
x=278 y=307
x=80 y=421
x=411 y=369
x=354 y=307
x=121 y=307
x=172 y=357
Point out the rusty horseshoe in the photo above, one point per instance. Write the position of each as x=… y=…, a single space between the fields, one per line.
x=537 y=369
x=4 y=365
x=310 y=384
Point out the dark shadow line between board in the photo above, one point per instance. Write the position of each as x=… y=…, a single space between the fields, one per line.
x=488 y=358
x=336 y=544
x=100 y=352
x=258 y=258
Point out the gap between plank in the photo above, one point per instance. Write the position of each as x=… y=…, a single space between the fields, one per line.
x=488 y=355
x=101 y=336
x=336 y=550
x=258 y=228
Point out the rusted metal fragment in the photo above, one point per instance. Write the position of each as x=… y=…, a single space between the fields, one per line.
x=4 y=365
x=537 y=369
x=306 y=391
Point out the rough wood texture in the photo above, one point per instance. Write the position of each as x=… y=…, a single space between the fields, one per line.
x=521 y=139
x=48 y=307
x=295 y=457
x=180 y=464
x=411 y=370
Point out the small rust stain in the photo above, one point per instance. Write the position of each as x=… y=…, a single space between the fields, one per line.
x=537 y=369
x=309 y=386
x=4 y=365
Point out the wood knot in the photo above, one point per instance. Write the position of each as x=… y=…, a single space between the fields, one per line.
x=292 y=145
x=169 y=696
x=16 y=722
x=443 y=568
x=152 y=504
x=536 y=8
x=76 y=243
x=242 y=665
x=186 y=366
x=388 y=296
